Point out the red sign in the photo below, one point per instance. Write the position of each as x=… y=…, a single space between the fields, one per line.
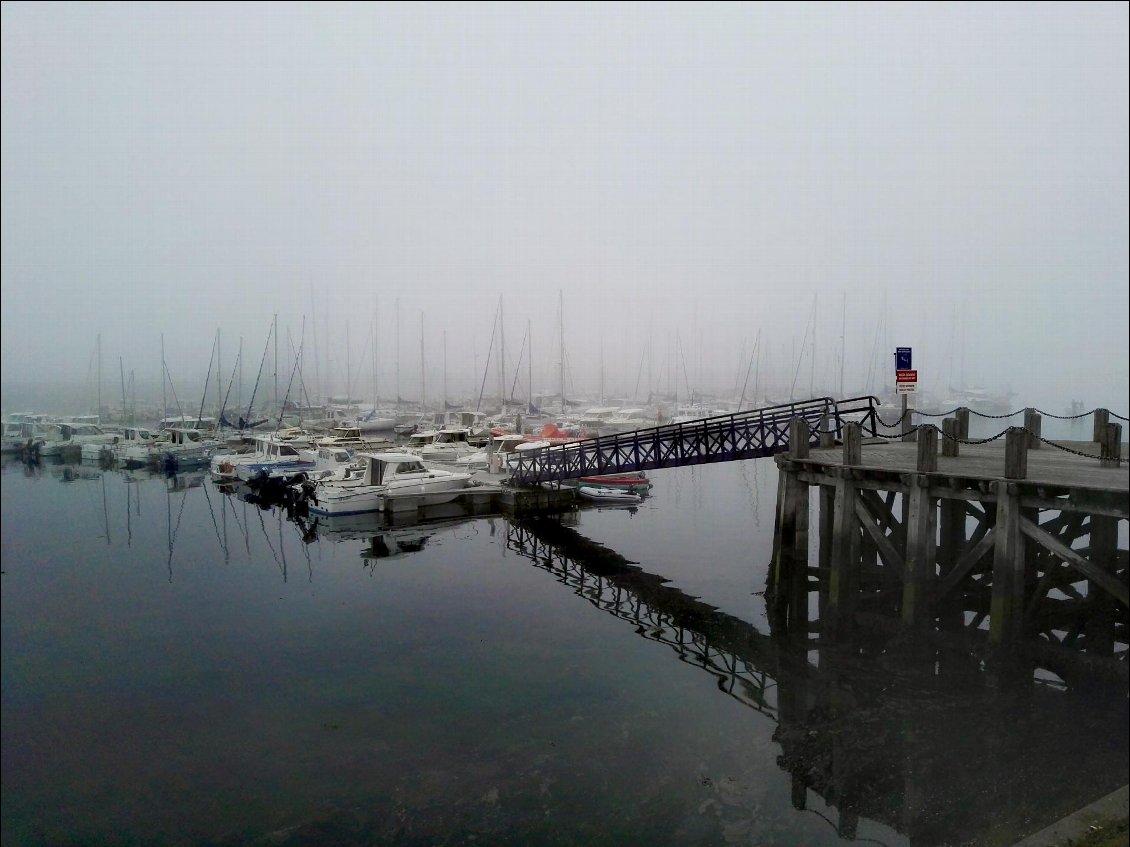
x=906 y=376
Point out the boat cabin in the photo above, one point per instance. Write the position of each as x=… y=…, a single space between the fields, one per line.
x=185 y=436
x=451 y=436
x=272 y=448
x=187 y=422
x=138 y=435
x=382 y=468
x=421 y=439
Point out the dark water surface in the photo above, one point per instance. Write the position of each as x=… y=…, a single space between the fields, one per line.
x=183 y=667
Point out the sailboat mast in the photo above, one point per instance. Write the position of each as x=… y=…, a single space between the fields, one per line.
x=843 y=334
x=423 y=378
x=239 y=390
x=812 y=364
x=99 y=394
x=122 y=373
x=530 y=368
x=164 y=396
x=314 y=329
x=275 y=332
x=445 y=371
x=376 y=358
x=398 y=354
x=219 y=380
x=501 y=357
x=561 y=333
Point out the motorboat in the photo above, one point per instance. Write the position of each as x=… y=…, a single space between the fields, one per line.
x=633 y=482
x=609 y=496
x=449 y=444
x=353 y=438
x=503 y=447
x=388 y=482
x=75 y=435
x=187 y=447
x=138 y=446
x=269 y=452
x=21 y=430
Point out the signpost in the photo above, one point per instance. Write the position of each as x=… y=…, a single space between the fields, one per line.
x=906 y=383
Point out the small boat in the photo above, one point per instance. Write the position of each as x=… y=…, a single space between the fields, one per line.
x=187 y=447
x=633 y=482
x=609 y=496
x=272 y=452
x=389 y=482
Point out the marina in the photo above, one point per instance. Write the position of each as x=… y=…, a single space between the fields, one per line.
x=708 y=563
x=565 y=425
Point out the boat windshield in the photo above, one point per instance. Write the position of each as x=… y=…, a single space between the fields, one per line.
x=411 y=467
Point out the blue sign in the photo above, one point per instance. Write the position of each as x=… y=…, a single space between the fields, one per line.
x=902 y=359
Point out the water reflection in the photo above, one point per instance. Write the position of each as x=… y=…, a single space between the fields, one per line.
x=870 y=742
x=391 y=536
x=940 y=759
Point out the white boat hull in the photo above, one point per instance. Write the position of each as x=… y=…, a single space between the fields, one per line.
x=336 y=499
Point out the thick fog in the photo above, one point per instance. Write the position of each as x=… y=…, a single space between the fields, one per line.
x=669 y=197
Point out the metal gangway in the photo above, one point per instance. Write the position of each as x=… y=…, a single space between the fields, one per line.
x=723 y=438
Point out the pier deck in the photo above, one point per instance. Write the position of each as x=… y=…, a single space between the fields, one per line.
x=1046 y=466
x=1013 y=543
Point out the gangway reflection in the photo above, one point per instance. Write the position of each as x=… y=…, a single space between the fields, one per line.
x=740 y=657
x=942 y=754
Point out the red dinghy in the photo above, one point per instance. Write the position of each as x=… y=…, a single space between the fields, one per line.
x=632 y=482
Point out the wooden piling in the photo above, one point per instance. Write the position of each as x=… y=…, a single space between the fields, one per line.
x=844 y=550
x=1102 y=418
x=789 y=603
x=962 y=418
x=920 y=512
x=1111 y=446
x=950 y=446
x=827 y=433
x=982 y=548
x=1015 y=453
x=1032 y=423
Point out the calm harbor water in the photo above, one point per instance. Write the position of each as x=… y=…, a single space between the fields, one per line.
x=181 y=666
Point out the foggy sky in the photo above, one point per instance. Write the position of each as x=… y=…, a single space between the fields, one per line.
x=678 y=178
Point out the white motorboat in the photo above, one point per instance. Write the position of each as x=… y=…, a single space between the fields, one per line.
x=138 y=446
x=76 y=435
x=448 y=445
x=20 y=429
x=187 y=447
x=503 y=447
x=269 y=453
x=388 y=482
x=609 y=496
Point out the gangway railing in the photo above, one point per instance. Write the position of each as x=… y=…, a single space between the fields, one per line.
x=722 y=438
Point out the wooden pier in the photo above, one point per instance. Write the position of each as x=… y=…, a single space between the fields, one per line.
x=1010 y=546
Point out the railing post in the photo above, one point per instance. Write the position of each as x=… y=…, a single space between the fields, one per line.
x=907 y=419
x=798 y=438
x=1032 y=423
x=921 y=533
x=1111 y=446
x=950 y=445
x=962 y=418
x=853 y=443
x=827 y=434
x=1015 y=453
x=844 y=558
x=1102 y=418
x=928 y=449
